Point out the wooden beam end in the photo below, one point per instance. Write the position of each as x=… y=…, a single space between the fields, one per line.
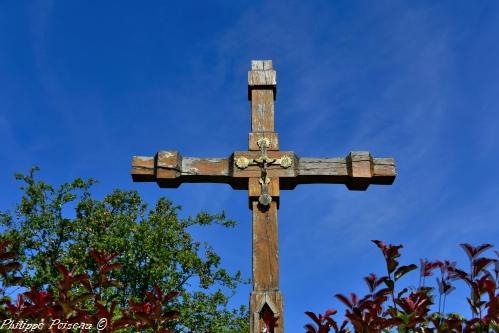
x=143 y=169
x=364 y=170
x=384 y=171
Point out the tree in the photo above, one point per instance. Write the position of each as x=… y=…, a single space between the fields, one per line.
x=52 y=226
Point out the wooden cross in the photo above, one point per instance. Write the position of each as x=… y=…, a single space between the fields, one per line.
x=264 y=170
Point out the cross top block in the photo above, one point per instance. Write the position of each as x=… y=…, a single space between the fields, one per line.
x=261 y=65
x=262 y=76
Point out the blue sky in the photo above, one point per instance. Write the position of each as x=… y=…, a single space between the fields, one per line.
x=84 y=85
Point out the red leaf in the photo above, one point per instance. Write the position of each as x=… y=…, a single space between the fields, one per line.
x=314 y=317
x=473 y=251
x=330 y=312
x=344 y=300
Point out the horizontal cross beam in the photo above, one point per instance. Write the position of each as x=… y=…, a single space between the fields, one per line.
x=357 y=170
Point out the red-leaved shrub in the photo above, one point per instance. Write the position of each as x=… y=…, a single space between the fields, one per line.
x=387 y=308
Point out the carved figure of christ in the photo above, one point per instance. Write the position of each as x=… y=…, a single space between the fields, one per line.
x=264 y=170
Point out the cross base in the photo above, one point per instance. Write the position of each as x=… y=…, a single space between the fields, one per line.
x=266 y=312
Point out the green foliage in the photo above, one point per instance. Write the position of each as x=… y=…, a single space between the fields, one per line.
x=62 y=225
x=76 y=303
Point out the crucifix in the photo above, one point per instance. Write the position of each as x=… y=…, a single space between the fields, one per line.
x=263 y=170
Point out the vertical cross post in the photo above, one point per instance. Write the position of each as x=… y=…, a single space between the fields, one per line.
x=266 y=299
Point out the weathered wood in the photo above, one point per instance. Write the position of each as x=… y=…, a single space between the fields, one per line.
x=249 y=169
x=168 y=164
x=143 y=169
x=255 y=188
x=262 y=111
x=261 y=92
x=265 y=249
x=356 y=173
x=262 y=76
x=265 y=266
x=253 y=171
x=261 y=65
x=271 y=136
x=258 y=300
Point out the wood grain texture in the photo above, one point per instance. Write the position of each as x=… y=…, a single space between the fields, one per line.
x=262 y=110
x=265 y=247
x=254 y=137
x=357 y=171
x=265 y=266
x=261 y=65
x=254 y=171
x=258 y=299
x=143 y=169
x=262 y=78
x=168 y=164
x=255 y=188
